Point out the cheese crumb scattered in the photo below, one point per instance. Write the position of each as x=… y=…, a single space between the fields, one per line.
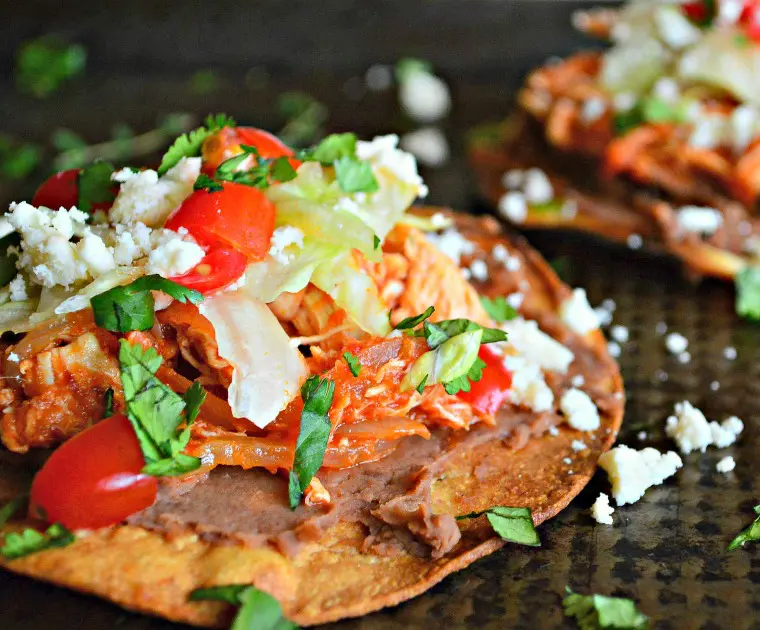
x=13 y=357
x=282 y=238
x=424 y=97
x=513 y=207
x=579 y=410
x=692 y=432
x=725 y=465
x=699 y=220
x=602 y=511
x=553 y=431
x=676 y=343
x=528 y=385
x=578 y=380
x=577 y=446
x=729 y=352
x=619 y=333
x=479 y=270
x=577 y=314
x=536 y=346
x=428 y=145
x=634 y=241
x=537 y=187
x=452 y=243
x=18 y=289
x=633 y=472
x=174 y=256
x=613 y=347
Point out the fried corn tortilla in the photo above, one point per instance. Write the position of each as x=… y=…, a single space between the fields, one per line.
x=370 y=548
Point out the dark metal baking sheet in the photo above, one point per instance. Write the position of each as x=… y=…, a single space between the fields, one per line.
x=668 y=550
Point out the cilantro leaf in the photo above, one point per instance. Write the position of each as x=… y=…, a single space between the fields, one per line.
x=627 y=120
x=95 y=186
x=130 y=307
x=17 y=160
x=413 y=322
x=305 y=118
x=281 y=170
x=263 y=172
x=204 y=182
x=18 y=545
x=437 y=333
x=108 y=412
x=354 y=176
x=656 y=110
x=748 y=293
x=258 y=610
x=353 y=363
x=498 y=308
x=592 y=612
x=156 y=412
x=408 y=66
x=317 y=395
x=9 y=510
x=333 y=148
x=44 y=64
x=421 y=386
x=376 y=241
x=752 y=533
x=462 y=384
x=189 y=144
x=513 y=524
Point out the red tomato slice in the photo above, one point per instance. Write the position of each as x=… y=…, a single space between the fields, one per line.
x=750 y=18
x=224 y=145
x=59 y=190
x=488 y=394
x=94 y=479
x=219 y=268
x=238 y=216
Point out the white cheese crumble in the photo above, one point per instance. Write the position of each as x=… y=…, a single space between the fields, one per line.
x=174 y=256
x=428 y=145
x=452 y=243
x=513 y=207
x=577 y=314
x=150 y=199
x=425 y=97
x=593 y=109
x=634 y=241
x=691 y=431
x=725 y=465
x=479 y=270
x=528 y=385
x=614 y=349
x=13 y=357
x=729 y=352
x=537 y=187
x=514 y=179
x=579 y=410
x=382 y=152
x=633 y=472
x=378 y=77
x=578 y=380
x=553 y=431
x=18 y=289
x=676 y=343
x=578 y=446
x=602 y=511
x=282 y=238
x=698 y=219
x=536 y=346
x=619 y=334
x=641 y=436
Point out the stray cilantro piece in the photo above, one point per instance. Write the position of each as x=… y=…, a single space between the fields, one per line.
x=656 y=110
x=442 y=331
x=354 y=176
x=108 y=412
x=413 y=322
x=204 y=182
x=43 y=64
x=592 y=612
x=750 y=534
x=257 y=610
x=353 y=363
x=10 y=509
x=204 y=81
x=407 y=67
x=513 y=524
x=260 y=175
x=317 y=395
x=421 y=387
x=17 y=160
x=305 y=118
x=130 y=307
x=8 y=268
x=95 y=186
x=31 y=541
x=156 y=412
x=627 y=120
x=376 y=241
x=333 y=148
x=463 y=383
x=498 y=308
x=748 y=293
x=189 y=144
x=64 y=139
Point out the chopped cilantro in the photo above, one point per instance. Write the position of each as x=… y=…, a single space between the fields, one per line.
x=355 y=175
x=408 y=66
x=18 y=545
x=189 y=144
x=748 y=293
x=627 y=120
x=257 y=610
x=305 y=118
x=205 y=81
x=752 y=533
x=421 y=386
x=44 y=64
x=463 y=383
x=204 y=182
x=261 y=174
x=514 y=524
x=376 y=241
x=64 y=139
x=156 y=412
x=17 y=160
x=592 y=612
x=333 y=148
x=442 y=331
x=353 y=363
x=95 y=186
x=656 y=110
x=317 y=395
x=498 y=308
x=413 y=322
x=10 y=509
x=130 y=307
x=108 y=412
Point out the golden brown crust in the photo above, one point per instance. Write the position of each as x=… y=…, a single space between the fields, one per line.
x=334 y=579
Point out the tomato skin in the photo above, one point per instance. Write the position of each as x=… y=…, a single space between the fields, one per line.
x=58 y=190
x=238 y=216
x=94 y=479
x=750 y=19
x=224 y=145
x=220 y=267
x=489 y=393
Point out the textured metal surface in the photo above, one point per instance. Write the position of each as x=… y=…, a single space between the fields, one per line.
x=668 y=550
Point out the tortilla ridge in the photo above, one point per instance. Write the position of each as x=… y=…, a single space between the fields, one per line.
x=150 y=573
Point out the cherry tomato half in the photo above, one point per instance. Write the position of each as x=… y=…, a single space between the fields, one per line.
x=58 y=191
x=226 y=142
x=94 y=479
x=219 y=268
x=750 y=18
x=488 y=394
x=238 y=216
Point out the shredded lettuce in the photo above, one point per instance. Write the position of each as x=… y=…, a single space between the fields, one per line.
x=449 y=361
x=267 y=370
